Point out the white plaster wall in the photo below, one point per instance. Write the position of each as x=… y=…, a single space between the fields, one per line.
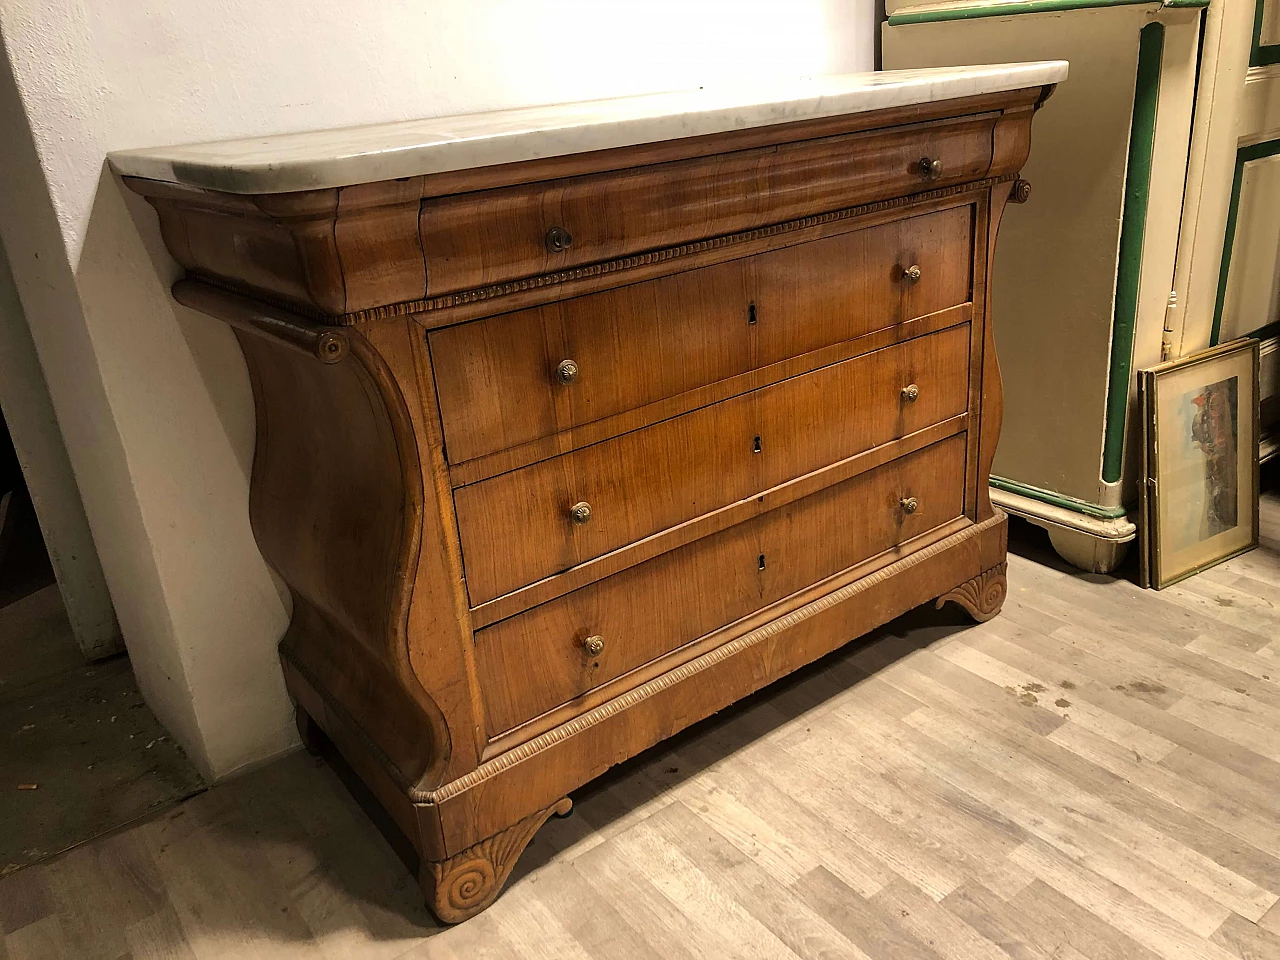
x=153 y=400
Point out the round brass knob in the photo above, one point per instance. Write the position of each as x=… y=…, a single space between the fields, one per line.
x=912 y=274
x=593 y=645
x=566 y=371
x=580 y=512
x=559 y=240
x=909 y=504
x=910 y=392
x=930 y=169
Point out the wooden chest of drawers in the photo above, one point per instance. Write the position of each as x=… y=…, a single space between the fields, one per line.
x=561 y=455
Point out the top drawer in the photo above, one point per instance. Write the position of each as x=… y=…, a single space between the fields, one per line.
x=491 y=236
x=497 y=378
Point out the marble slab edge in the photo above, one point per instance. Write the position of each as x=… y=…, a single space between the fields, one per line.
x=335 y=158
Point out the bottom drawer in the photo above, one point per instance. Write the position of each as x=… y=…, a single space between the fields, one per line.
x=539 y=659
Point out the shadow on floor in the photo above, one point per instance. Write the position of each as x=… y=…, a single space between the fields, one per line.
x=709 y=741
x=82 y=754
x=289 y=853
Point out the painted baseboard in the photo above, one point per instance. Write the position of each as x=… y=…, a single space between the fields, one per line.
x=1111 y=529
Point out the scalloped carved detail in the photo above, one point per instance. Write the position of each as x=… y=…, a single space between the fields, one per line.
x=982 y=596
x=460 y=887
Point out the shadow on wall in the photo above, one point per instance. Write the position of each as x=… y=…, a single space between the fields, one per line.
x=38 y=439
x=211 y=344
x=185 y=410
x=156 y=411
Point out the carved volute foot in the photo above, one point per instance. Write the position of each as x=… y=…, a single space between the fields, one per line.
x=460 y=887
x=982 y=596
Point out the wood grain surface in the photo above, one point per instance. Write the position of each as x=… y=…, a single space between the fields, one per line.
x=638 y=344
x=535 y=661
x=517 y=528
x=475 y=239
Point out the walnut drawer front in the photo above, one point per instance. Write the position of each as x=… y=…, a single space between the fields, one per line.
x=519 y=527
x=500 y=381
x=474 y=240
x=540 y=659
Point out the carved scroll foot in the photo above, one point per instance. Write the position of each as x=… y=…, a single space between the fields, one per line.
x=982 y=596
x=460 y=887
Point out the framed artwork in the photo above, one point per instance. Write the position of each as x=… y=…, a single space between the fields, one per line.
x=1199 y=498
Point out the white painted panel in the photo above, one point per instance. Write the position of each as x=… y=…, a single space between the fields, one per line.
x=1253 y=284
x=1224 y=63
x=1270 y=23
x=1259 y=118
x=1269 y=369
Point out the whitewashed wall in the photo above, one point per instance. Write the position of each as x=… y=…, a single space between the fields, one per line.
x=153 y=400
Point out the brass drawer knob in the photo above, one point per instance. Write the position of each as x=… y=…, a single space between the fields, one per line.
x=912 y=274
x=580 y=512
x=558 y=240
x=566 y=371
x=910 y=392
x=594 y=646
x=930 y=168
x=909 y=504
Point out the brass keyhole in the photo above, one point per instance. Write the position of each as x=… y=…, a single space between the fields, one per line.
x=755 y=447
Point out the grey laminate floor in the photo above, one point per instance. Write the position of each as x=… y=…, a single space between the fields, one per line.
x=1095 y=773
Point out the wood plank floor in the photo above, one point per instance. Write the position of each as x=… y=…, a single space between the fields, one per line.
x=1093 y=774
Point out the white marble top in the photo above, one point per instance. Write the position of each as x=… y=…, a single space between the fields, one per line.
x=336 y=158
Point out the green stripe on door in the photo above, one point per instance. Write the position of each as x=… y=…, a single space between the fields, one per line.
x=1137 y=191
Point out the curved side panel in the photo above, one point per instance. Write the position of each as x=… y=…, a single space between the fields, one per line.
x=1011 y=140
x=1011 y=145
x=336 y=505
x=992 y=388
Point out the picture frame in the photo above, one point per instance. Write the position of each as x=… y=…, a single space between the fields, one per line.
x=1198 y=495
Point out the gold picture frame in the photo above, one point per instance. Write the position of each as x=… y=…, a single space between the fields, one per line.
x=1198 y=495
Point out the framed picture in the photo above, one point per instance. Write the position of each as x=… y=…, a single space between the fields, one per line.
x=1199 y=498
